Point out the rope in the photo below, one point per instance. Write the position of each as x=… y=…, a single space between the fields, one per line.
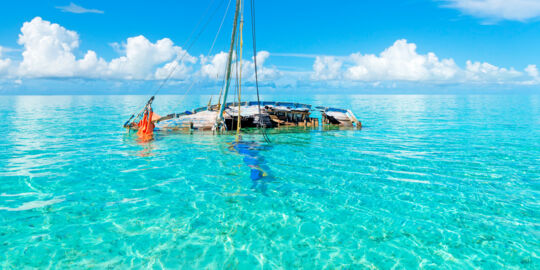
x=238 y=82
x=211 y=47
x=241 y=45
x=219 y=29
x=265 y=136
x=219 y=118
x=189 y=47
x=148 y=103
x=186 y=50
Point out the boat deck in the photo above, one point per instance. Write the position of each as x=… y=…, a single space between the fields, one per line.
x=269 y=114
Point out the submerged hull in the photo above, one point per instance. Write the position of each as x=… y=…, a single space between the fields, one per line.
x=268 y=114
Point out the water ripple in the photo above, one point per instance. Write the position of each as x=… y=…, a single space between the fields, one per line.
x=430 y=182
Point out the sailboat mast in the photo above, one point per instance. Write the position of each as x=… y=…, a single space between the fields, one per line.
x=219 y=119
x=241 y=41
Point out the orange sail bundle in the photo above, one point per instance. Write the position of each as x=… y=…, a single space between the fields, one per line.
x=146 y=126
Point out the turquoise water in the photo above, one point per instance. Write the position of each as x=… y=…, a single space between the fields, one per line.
x=430 y=181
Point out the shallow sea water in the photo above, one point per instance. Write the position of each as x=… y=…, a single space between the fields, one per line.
x=429 y=182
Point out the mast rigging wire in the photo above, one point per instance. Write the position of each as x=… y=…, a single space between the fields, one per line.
x=253 y=31
x=190 y=45
x=210 y=50
x=265 y=136
x=151 y=99
x=219 y=118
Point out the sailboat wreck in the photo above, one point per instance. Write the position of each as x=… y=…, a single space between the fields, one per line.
x=268 y=114
x=239 y=114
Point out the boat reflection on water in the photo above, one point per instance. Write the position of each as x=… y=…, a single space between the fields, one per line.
x=145 y=145
x=147 y=148
x=259 y=171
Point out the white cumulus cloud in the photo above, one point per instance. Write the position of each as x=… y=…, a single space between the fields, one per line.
x=402 y=62
x=48 y=51
x=264 y=72
x=517 y=10
x=326 y=68
x=485 y=72
x=173 y=70
x=532 y=71
x=214 y=67
x=52 y=51
x=4 y=63
x=142 y=57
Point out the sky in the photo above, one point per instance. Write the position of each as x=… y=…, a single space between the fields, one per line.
x=376 y=46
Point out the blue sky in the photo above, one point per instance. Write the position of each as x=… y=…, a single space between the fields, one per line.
x=54 y=47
